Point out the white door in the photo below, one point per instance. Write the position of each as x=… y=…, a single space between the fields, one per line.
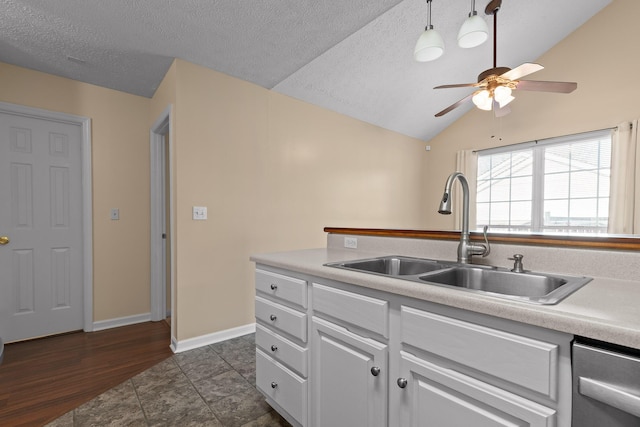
x=41 y=217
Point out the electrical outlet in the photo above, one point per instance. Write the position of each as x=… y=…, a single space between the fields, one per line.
x=199 y=212
x=351 y=242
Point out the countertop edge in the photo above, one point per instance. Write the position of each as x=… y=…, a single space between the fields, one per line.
x=573 y=315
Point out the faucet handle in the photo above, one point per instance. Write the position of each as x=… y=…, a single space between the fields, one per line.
x=487 y=250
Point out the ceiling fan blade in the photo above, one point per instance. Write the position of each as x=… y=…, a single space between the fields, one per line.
x=522 y=70
x=542 y=86
x=453 y=106
x=457 y=85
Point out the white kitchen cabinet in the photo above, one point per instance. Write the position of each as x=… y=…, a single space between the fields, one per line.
x=350 y=378
x=380 y=359
x=281 y=344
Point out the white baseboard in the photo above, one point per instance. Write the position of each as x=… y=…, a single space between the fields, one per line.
x=201 y=341
x=121 y=321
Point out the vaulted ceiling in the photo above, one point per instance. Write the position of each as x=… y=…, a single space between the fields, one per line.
x=354 y=57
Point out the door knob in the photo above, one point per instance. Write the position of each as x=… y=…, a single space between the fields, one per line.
x=375 y=371
x=402 y=382
x=4 y=240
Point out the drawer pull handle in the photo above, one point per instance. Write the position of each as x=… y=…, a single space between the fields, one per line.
x=273 y=317
x=274 y=287
x=375 y=371
x=274 y=384
x=402 y=382
x=274 y=348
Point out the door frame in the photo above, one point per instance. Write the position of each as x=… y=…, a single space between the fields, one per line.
x=161 y=127
x=87 y=195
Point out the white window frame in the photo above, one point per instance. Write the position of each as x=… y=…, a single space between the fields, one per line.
x=538 y=175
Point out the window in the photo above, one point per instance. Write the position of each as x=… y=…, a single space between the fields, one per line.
x=556 y=185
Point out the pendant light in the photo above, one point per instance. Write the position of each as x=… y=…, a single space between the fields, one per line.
x=474 y=30
x=430 y=45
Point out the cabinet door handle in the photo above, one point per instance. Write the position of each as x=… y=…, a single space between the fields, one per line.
x=274 y=348
x=274 y=286
x=402 y=382
x=273 y=317
x=375 y=371
x=274 y=384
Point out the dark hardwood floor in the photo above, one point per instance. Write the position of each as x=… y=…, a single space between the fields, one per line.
x=45 y=378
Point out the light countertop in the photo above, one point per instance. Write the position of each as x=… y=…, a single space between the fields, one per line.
x=604 y=309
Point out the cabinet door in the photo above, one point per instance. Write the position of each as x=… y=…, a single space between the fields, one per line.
x=349 y=378
x=434 y=396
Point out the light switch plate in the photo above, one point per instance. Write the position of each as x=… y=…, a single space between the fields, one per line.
x=115 y=214
x=199 y=213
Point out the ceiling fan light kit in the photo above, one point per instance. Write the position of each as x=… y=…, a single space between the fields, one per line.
x=496 y=85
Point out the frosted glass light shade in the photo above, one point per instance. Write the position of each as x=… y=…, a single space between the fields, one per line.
x=473 y=32
x=430 y=46
x=502 y=94
x=483 y=100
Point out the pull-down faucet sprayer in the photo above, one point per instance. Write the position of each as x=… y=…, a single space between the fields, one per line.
x=465 y=249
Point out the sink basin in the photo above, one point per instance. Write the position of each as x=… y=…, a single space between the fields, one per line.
x=531 y=287
x=393 y=265
x=501 y=282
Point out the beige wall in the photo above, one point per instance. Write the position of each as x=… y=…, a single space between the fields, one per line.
x=273 y=171
x=120 y=180
x=600 y=56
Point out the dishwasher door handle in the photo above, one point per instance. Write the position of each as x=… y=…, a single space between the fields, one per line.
x=610 y=395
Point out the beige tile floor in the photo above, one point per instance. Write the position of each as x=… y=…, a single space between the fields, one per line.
x=209 y=386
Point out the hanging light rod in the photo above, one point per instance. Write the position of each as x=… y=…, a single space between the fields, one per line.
x=430 y=45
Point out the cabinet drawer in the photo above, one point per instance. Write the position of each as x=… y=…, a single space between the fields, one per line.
x=283 y=386
x=283 y=287
x=282 y=350
x=523 y=361
x=282 y=318
x=363 y=311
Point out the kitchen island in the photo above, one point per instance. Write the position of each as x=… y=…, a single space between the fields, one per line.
x=502 y=359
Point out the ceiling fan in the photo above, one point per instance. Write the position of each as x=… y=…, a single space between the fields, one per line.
x=496 y=84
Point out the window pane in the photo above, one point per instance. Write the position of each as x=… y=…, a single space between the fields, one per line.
x=584 y=184
x=484 y=167
x=557 y=159
x=482 y=214
x=521 y=213
x=500 y=190
x=584 y=155
x=522 y=163
x=521 y=188
x=556 y=186
x=556 y=212
x=501 y=165
x=483 y=193
x=584 y=212
x=500 y=213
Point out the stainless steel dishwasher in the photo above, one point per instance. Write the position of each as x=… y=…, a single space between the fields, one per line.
x=606 y=385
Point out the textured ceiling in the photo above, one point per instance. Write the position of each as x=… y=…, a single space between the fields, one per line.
x=353 y=57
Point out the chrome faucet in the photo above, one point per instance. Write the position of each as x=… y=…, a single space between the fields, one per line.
x=465 y=249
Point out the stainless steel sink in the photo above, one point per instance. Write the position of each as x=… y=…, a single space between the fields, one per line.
x=393 y=265
x=532 y=287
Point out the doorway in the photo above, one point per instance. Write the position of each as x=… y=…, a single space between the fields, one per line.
x=162 y=288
